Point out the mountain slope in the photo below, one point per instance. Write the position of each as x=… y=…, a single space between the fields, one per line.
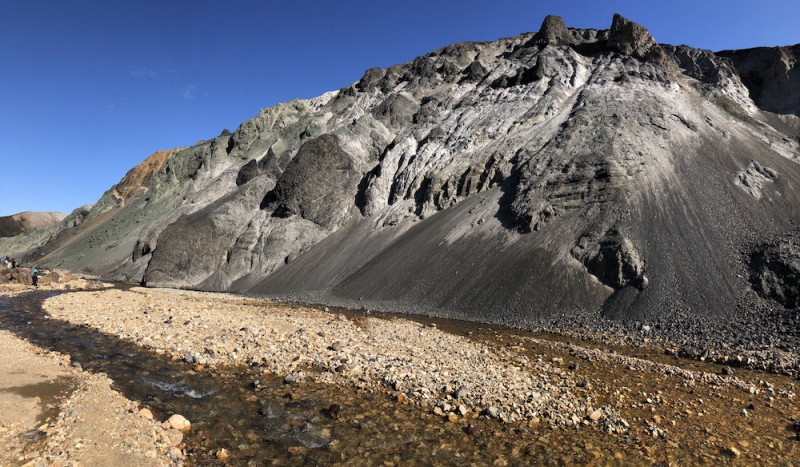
x=570 y=174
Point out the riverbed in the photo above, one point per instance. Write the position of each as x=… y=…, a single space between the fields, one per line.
x=290 y=398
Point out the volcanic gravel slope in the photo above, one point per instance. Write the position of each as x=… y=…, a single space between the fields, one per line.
x=569 y=174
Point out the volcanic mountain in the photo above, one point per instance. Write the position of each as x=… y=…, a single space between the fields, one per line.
x=568 y=174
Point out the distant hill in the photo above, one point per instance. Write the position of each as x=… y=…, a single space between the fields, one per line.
x=11 y=226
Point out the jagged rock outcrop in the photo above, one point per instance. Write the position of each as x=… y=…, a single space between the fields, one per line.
x=553 y=32
x=772 y=76
x=563 y=174
x=630 y=38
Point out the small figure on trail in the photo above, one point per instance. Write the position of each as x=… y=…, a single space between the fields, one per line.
x=35 y=277
x=13 y=263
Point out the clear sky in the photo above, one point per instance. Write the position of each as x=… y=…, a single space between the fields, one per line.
x=89 y=88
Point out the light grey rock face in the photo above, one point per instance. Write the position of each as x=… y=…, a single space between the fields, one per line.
x=547 y=175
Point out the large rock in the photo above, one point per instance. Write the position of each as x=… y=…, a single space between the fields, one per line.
x=317 y=185
x=15 y=276
x=611 y=258
x=775 y=272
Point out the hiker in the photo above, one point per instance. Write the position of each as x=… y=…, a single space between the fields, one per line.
x=35 y=277
x=13 y=263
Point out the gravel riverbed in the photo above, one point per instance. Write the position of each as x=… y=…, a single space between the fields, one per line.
x=367 y=383
x=417 y=364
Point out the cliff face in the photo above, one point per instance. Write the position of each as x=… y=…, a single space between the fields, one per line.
x=772 y=76
x=567 y=173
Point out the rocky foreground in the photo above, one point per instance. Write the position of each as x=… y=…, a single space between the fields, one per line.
x=419 y=364
x=325 y=387
x=627 y=404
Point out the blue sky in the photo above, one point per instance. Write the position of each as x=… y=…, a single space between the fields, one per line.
x=89 y=88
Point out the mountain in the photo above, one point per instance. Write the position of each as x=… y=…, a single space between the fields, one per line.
x=568 y=175
x=16 y=224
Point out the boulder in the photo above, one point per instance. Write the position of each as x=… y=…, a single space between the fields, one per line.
x=179 y=423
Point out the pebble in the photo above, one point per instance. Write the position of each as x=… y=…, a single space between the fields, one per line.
x=733 y=451
x=596 y=415
x=222 y=454
x=332 y=411
x=172 y=437
x=297 y=450
x=452 y=417
x=493 y=412
x=146 y=413
x=336 y=346
x=180 y=423
x=175 y=454
x=293 y=378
